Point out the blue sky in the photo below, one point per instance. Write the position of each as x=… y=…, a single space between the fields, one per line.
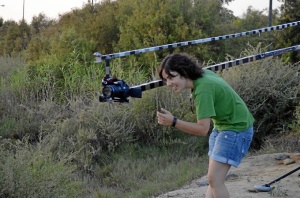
x=13 y=9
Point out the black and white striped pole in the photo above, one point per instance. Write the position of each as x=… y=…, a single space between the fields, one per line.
x=119 y=91
x=100 y=57
x=221 y=66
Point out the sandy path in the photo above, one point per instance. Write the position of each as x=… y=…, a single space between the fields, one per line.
x=254 y=170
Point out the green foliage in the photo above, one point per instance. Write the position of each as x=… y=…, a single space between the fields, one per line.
x=13 y=89
x=164 y=22
x=112 y=26
x=40 y=23
x=150 y=25
x=252 y=19
x=129 y=71
x=14 y=37
x=70 y=71
x=42 y=29
x=11 y=31
x=289 y=37
x=104 y=26
x=13 y=75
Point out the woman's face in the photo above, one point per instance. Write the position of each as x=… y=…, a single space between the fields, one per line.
x=178 y=83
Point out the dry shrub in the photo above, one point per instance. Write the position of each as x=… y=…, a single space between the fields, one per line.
x=29 y=118
x=89 y=128
x=28 y=170
x=270 y=88
x=280 y=143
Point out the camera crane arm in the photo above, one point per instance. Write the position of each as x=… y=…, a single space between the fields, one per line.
x=118 y=91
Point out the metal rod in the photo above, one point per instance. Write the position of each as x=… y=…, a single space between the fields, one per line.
x=23 y=9
x=224 y=65
x=100 y=57
x=283 y=176
x=270 y=13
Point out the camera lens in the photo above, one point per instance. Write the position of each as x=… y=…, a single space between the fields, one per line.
x=106 y=91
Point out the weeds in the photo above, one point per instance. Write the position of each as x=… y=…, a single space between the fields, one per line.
x=278 y=192
x=147 y=171
x=31 y=171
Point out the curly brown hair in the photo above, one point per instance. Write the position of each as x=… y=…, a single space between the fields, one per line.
x=183 y=64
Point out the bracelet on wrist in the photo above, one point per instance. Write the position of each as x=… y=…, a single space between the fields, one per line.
x=174 y=121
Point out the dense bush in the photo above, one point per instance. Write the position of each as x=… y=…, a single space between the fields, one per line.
x=270 y=88
x=296 y=124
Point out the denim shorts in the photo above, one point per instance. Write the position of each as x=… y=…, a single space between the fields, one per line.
x=229 y=147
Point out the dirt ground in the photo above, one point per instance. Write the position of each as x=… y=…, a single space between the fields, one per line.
x=254 y=171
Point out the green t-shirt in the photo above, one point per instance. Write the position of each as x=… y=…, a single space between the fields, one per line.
x=215 y=99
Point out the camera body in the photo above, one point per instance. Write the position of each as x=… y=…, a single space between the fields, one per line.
x=115 y=90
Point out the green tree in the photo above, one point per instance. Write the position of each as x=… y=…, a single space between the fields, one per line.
x=290 y=36
x=104 y=26
x=154 y=23
x=42 y=30
x=207 y=16
x=14 y=37
x=40 y=23
x=11 y=37
x=252 y=19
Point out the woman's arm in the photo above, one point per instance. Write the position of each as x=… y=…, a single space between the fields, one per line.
x=200 y=128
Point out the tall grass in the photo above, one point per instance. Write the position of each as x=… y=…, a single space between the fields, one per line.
x=148 y=171
x=31 y=171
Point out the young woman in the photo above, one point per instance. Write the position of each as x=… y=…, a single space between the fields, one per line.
x=215 y=101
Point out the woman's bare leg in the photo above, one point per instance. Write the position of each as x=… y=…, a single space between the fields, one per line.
x=209 y=193
x=217 y=172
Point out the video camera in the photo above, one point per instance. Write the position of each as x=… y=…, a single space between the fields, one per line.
x=117 y=90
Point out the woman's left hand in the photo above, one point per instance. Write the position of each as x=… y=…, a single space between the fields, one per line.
x=165 y=117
